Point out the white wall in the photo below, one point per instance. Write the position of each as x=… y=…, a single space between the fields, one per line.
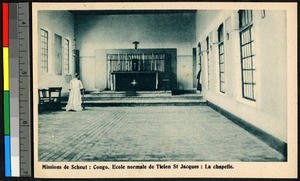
x=94 y=32
x=61 y=23
x=269 y=111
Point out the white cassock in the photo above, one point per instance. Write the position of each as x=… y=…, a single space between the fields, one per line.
x=74 y=102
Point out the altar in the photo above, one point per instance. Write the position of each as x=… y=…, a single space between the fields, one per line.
x=136 y=69
x=135 y=80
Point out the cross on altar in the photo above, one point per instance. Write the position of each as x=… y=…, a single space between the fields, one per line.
x=135 y=44
x=133 y=83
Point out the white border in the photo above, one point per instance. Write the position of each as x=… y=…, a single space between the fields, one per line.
x=242 y=169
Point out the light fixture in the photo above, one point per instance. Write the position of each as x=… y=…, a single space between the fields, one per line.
x=263 y=14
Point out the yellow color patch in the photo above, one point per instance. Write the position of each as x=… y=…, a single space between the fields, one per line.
x=6 y=68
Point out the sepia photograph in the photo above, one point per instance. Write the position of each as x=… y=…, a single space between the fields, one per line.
x=185 y=88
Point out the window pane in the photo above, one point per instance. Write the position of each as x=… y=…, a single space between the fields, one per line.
x=245 y=17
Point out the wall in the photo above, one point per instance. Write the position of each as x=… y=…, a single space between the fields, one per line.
x=60 y=23
x=153 y=31
x=269 y=111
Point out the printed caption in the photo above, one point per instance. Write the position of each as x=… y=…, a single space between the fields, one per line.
x=156 y=166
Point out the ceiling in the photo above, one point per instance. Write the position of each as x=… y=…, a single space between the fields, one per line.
x=118 y=12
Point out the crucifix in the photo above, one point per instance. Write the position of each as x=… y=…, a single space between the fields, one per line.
x=133 y=83
x=135 y=44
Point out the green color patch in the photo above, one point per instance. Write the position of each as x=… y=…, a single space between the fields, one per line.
x=6 y=113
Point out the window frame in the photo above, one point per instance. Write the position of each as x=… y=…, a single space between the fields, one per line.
x=208 y=61
x=44 y=50
x=221 y=57
x=66 y=54
x=247 y=54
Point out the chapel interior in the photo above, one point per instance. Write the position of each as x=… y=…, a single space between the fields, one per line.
x=240 y=56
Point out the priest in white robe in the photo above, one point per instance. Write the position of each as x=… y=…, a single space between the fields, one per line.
x=74 y=102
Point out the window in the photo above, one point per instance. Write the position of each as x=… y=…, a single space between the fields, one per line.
x=44 y=50
x=247 y=54
x=207 y=51
x=58 y=54
x=67 y=56
x=221 y=58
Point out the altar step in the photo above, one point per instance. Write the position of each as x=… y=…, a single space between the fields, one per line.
x=143 y=98
x=142 y=103
x=121 y=94
x=140 y=96
x=166 y=98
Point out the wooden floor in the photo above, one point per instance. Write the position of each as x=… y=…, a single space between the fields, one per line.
x=147 y=133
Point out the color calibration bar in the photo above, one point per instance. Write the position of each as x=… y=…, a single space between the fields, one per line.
x=6 y=93
x=16 y=79
x=14 y=89
x=24 y=98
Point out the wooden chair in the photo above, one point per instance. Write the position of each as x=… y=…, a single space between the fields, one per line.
x=44 y=100
x=55 y=98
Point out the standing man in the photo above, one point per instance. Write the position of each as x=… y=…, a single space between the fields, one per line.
x=74 y=102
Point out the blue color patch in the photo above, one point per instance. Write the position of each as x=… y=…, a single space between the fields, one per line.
x=7 y=155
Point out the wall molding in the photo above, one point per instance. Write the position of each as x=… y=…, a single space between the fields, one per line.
x=270 y=140
x=87 y=57
x=184 y=55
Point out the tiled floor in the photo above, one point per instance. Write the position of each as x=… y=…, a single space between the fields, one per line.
x=158 y=133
